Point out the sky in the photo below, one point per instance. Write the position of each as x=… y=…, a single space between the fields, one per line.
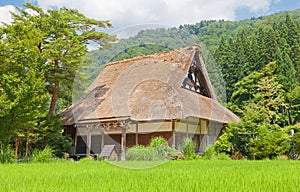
x=140 y=14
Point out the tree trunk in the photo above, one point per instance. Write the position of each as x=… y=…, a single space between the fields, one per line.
x=54 y=92
x=54 y=98
x=17 y=143
x=27 y=147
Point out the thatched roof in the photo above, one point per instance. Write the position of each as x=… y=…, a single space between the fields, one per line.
x=148 y=88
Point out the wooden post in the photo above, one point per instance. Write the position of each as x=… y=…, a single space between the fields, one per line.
x=89 y=139
x=199 y=148
x=123 y=143
x=206 y=141
x=187 y=128
x=137 y=133
x=102 y=139
x=75 y=142
x=173 y=134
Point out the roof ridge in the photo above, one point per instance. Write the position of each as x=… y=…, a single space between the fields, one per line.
x=127 y=60
x=193 y=47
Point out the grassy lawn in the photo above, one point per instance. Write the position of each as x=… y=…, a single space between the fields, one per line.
x=172 y=176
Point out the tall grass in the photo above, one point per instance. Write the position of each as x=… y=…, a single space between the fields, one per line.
x=172 y=176
x=6 y=154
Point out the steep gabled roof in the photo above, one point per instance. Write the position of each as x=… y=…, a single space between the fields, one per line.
x=150 y=88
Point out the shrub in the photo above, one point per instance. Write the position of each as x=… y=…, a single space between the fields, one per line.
x=157 y=142
x=188 y=147
x=42 y=156
x=223 y=156
x=6 y=154
x=210 y=153
x=142 y=153
x=174 y=154
x=161 y=146
x=269 y=143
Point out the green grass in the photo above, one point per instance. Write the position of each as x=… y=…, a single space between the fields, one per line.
x=171 y=176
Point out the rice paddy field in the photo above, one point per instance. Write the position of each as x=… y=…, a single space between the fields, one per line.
x=171 y=176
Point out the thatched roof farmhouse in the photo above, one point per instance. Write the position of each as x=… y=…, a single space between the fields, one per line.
x=167 y=94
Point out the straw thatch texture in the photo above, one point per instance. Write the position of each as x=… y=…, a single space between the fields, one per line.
x=148 y=88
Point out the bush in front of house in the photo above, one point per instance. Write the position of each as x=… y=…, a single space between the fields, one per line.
x=158 y=149
x=188 y=147
x=142 y=153
x=161 y=146
x=212 y=154
x=157 y=142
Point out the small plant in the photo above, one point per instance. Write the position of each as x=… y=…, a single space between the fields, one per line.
x=157 y=142
x=43 y=156
x=66 y=155
x=210 y=153
x=188 y=148
x=87 y=159
x=6 y=154
x=223 y=156
x=282 y=157
x=237 y=156
x=174 y=154
x=161 y=146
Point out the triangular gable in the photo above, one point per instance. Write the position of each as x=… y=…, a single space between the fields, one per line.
x=196 y=79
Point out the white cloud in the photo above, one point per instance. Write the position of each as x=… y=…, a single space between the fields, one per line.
x=5 y=15
x=258 y=6
x=166 y=12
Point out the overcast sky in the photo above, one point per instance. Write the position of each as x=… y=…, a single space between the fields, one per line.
x=127 y=13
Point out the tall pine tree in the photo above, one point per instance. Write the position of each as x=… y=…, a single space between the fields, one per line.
x=62 y=38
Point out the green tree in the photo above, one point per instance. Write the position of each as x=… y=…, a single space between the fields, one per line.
x=62 y=36
x=258 y=134
x=270 y=99
x=285 y=71
x=293 y=98
x=293 y=40
x=39 y=56
x=22 y=94
x=247 y=87
x=23 y=102
x=225 y=57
